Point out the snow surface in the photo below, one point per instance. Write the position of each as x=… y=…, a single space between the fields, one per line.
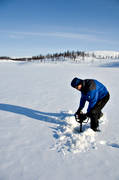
x=39 y=137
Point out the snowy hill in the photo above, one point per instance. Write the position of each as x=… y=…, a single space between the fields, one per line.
x=38 y=132
x=98 y=57
x=70 y=56
x=105 y=53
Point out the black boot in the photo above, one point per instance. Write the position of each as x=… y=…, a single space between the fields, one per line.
x=96 y=129
x=101 y=115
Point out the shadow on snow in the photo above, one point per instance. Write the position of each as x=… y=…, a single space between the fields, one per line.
x=111 y=65
x=55 y=118
x=114 y=145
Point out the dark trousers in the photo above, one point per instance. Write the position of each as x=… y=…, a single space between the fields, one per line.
x=95 y=112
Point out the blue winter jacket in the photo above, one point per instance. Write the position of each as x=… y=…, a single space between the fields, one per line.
x=91 y=91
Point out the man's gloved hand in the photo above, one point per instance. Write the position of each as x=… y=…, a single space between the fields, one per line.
x=83 y=116
x=78 y=112
x=80 y=117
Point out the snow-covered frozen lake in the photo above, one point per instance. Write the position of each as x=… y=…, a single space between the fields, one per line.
x=38 y=140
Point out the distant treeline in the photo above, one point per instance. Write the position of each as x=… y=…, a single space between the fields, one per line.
x=61 y=56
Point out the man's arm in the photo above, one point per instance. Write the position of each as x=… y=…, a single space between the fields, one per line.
x=82 y=104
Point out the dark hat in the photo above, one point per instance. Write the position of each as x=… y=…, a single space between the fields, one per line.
x=75 y=82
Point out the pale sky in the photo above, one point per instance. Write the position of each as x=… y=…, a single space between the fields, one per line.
x=33 y=27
